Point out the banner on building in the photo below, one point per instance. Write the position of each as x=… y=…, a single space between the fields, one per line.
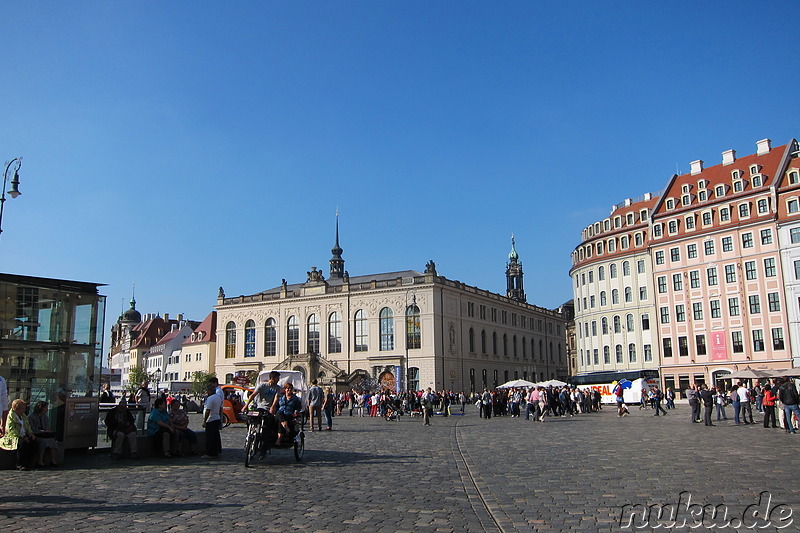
x=398 y=382
x=719 y=347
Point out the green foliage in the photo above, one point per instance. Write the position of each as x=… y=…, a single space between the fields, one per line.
x=136 y=375
x=200 y=381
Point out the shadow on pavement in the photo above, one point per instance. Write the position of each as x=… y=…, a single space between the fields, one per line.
x=42 y=506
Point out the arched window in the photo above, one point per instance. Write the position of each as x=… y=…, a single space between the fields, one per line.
x=551 y=351
x=472 y=380
x=494 y=343
x=230 y=340
x=250 y=338
x=413 y=378
x=387 y=329
x=483 y=375
x=617 y=327
x=270 y=338
x=604 y=323
x=629 y=320
x=413 y=328
x=514 y=346
x=603 y=299
x=524 y=348
x=626 y=268
x=618 y=350
x=632 y=353
x=361 y=331
x=483 y=341
x=471 y=340
x=292 y=336
x=505 y=376
x=541 y=350
x=615 y=296
x=505 y=345
x=312 y=337
x=335 y=333
x=495 y=380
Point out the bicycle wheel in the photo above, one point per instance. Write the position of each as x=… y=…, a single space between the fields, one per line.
x=250 y=448
x=225 y=420
x=299 y=447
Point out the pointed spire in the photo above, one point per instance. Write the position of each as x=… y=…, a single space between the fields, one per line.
x=337 y=263
x=514 y=275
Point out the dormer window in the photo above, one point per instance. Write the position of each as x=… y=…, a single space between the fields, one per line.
x=738 y=186
x=702 y=196
x=735 y=175
x=193 y=337
x=757 y=181
x=657 y=230
x=629 y=219
x=794 y=177
x=763 y=206
x=724 y=214
x=753 y=170
x=685 y=189
x=624 y=242
x=612 y=245
x=600 y=248
x=744 y=210
x=673 y=226
x=702 y=184
x=670 y=204
x=606 y=224
x=690 y=222
x=686 y=199
x=637 y=238
x=617 y=222
x=200 y=336
x=643 y=215
x=707 y=218
x=719 y=191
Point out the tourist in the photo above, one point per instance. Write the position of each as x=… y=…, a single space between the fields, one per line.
x=289 y=407
x=746 y=407
x=328 y=405
x=180 y=423
x=19 y=435
x=427 y=407
x=720 y=400
x=121 y=428
x=707 y=396
x=212 y=422
x=657 y=397
x=790 y=399
x=164 y=435
x=40 y=424
x=694 y=402
x=143 y=397
x=315 y=398
x=733 y=396
x=768 y=406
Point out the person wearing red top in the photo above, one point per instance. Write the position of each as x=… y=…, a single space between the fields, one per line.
x=768 y=404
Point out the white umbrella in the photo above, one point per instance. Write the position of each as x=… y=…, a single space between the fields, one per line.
x=516 y=383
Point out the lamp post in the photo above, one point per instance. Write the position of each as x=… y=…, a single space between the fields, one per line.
x=14 y=191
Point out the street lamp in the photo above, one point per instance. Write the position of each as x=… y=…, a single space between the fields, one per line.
x=14 y=191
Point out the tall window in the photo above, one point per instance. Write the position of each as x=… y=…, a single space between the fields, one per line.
x=334 y=333
x=230 y=340
x=413 y=378
x=631 y=353
x=292 y=336
x=387 y=329
x=413 y=329
x=472 y=341
x=312 y=339
x=483 y=341
x=618 y=353
x=250 y=338
x=361 y=331
x=270 y=338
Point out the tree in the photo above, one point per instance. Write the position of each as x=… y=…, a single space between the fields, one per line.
x=136 y=375
x=200 y=381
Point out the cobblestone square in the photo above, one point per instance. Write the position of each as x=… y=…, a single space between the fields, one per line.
x=461 y=474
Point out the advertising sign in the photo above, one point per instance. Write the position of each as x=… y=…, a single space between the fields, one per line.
x=719 y=347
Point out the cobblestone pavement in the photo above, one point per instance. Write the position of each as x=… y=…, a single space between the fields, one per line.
x=461 y=474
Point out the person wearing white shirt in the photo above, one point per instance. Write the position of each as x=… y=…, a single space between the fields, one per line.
x=212 y=422
x=744 y=399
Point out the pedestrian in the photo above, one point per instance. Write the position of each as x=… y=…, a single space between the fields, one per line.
x=106 y=396
x=315 y=398
x=533 y=404
x=486 y=403
x=746 y=407
x=670 y=398
x=622 y=410
x=721 y=399
x=327 y=406
x=143 y=398
x=694 y=402
x=790 y=400
x=768 y=405
x=212 y=422
x=427 y=407
x=657 y=397
x=3 y=405
x=707 y=397
x=737 y=405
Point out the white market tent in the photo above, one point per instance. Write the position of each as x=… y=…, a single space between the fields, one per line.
x=518 y=383
x=551 y=383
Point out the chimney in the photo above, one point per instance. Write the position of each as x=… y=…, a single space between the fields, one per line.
x=648 y=196
x=728 y=157
x=180 y=317
x=763 y=146
x=628 y=201
x=697 y=166
x=166 y=317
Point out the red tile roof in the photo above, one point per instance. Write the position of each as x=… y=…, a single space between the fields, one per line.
x=208 y=328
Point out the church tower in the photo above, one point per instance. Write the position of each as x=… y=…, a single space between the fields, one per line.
x=514 y=287
x=337 y=263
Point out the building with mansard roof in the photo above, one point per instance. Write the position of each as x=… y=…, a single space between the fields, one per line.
x=404 y=329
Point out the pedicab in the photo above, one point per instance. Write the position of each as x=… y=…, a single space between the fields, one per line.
x=262 y=426
x=232 y=404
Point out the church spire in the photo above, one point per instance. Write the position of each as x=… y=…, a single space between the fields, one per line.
x=337 y=263
x=514 y=286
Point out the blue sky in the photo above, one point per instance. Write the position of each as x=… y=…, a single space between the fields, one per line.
x=191 y=145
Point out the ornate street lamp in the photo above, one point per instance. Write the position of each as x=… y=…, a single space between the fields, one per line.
x=13 y=192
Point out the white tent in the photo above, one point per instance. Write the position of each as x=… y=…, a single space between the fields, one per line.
x=519 y=383
x=551 y=383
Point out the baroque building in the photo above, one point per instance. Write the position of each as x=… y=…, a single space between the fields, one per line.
x=404 y=329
